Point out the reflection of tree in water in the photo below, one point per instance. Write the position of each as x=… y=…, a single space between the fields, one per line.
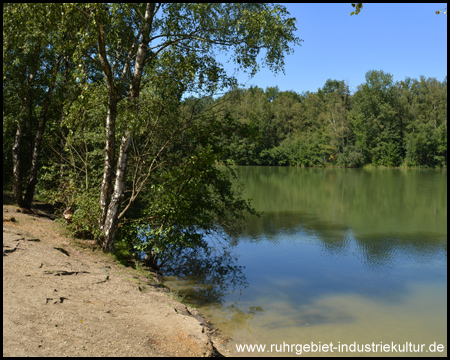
x=211 y=275
x=209 y=278
x=377 y=249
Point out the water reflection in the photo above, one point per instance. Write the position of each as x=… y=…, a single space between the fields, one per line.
x=210 y=276
x=344 y=254
x=367 y=200
x=376 y=248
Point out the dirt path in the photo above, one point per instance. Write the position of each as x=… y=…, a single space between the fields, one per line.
x=60 y=299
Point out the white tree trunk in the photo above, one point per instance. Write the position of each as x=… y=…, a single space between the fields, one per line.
x=106 y=188
x=112 y=213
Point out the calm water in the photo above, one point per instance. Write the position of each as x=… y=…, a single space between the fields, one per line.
x=339 y=255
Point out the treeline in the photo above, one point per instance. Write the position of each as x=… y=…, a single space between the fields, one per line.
x=382 y=123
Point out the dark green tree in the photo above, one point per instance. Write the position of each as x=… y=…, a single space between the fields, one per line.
x=376 y=125
x=34 y=57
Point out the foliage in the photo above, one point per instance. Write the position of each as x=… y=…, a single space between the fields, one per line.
x=187 y=199
x=71 y=194
x=358 y=7
x=382 y=123
x=94 y=111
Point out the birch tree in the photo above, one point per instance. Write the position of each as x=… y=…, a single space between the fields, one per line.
x=175 y=46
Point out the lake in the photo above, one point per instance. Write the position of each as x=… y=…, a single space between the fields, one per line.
x=344 y=256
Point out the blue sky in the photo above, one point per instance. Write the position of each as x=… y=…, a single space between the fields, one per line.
x=400 y=39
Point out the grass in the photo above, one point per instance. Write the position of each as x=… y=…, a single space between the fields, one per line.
x=175 y=295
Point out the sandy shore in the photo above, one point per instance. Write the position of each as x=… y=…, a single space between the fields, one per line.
x=62 y=298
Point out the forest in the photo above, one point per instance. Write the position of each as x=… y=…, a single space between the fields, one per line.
x=111 y=111
x=382 y=124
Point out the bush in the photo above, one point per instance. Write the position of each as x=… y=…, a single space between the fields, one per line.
x=350 y=157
